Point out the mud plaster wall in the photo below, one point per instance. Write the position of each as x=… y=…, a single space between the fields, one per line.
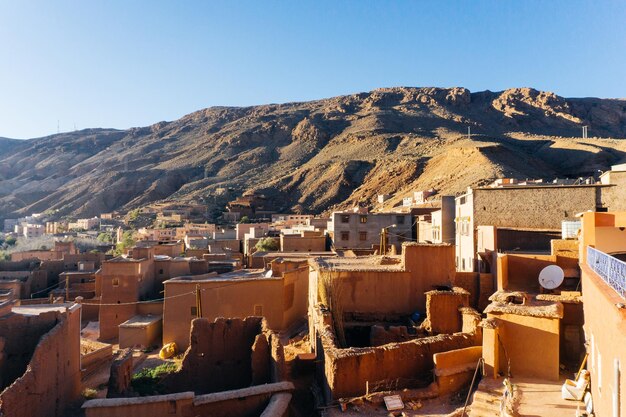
x=346 y=371
x=442 y=310
x=21 y=334
x=52 y=379
x=531 y=344
x=229 y=354
x=454 y=369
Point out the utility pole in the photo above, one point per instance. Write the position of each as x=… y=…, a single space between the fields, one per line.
x=469 y=132
x=584 y=132
x=383 y=241
x=198 y=301
x=58 y=127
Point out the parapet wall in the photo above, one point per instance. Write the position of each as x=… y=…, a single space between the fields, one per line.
x=269 y=400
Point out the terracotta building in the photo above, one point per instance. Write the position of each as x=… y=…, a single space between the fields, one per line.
x=278 y=294
x=602 y=246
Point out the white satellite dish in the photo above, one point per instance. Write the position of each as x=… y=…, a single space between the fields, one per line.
x=551 y=277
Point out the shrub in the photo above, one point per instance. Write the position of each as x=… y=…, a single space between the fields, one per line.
x=267 y=244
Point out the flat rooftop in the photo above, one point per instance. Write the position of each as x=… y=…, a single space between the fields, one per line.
x=35 y=310
x=141 y=321
x=242 y=274
x=359 y=263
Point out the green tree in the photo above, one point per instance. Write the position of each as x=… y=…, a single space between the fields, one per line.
x=244 y=219
x=267 y=244
x=133 y=215
x=105 y=238
x=126 y=243
x=10 y=241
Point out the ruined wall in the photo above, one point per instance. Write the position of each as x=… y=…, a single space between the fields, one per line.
x=228 y=354
x=52 y=379
x=21 y=334
x=346 y=371
x=443 y=310
x=121 y=375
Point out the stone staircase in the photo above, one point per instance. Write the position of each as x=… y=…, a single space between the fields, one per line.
x=486 y=399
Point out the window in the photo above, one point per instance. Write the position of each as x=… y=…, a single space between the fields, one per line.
x=345 y=218
x=258 y=310
x=345 y=235
x=115 y=282
x=194 y=311
x=363 y=219
x=362 y=236
x=400 y=219
x=161 y=271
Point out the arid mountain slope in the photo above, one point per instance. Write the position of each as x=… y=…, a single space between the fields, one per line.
x=319 y=154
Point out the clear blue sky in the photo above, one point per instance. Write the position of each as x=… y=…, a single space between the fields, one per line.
x=133 y=63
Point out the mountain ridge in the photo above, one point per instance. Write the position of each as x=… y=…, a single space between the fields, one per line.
x=319 y=155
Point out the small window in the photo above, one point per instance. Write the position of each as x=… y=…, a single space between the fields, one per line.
x=345 y=218
x=194 y=311
x=345 y=235
x=161 y=271
x=363 y=219
x=362 y=235
x=116 y=282
x=172 y=407
x=258 y=310
x=400 y=219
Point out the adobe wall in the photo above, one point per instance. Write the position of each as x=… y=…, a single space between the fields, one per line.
x=532 y=207
x=229 y=354
x=348 y=370
x=117 y=298
x=394 y=292
x=146 y=336
x=268 y=400
x=53 y=379
x=531 y=344
x=233 y=298
x=526 y=240
x=521 y=272
x=297 y=243
x=42 y=255
x=21 y=334
x=454 y=369
x=443 y=310
x=175 y=405
x=295 y=295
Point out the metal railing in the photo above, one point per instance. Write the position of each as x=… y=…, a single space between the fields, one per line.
x=610 y=269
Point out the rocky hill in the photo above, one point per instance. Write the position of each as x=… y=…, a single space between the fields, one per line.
x=320 y=154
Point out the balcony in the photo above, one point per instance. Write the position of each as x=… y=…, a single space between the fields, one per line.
x=610 y=269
